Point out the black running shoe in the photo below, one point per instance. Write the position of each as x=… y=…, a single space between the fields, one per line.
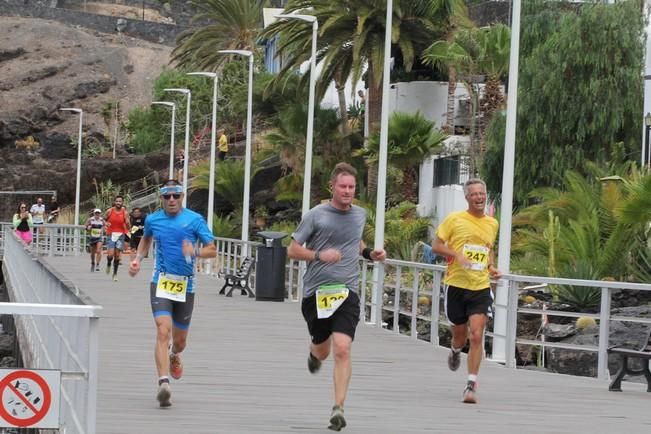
x=337 y=420
x=313 y=364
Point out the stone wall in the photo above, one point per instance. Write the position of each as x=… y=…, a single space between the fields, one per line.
x=160 y=33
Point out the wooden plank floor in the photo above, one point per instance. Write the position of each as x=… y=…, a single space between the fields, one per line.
x=245 y=372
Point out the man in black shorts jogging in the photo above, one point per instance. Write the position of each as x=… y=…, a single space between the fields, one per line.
x=466 y=238
x=137 y=229
x=332 y=233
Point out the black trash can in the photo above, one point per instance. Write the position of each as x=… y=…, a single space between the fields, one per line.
x=270 y=267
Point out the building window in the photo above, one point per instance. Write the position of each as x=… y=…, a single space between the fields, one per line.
x=452 y=170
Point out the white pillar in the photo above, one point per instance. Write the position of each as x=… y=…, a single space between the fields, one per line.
x=647 y=83
x=504 y=252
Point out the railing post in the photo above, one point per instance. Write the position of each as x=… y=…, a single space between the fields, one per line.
x=377 y=300
x=93 y=356
x=436 y=309
x=511 y=323
x=604 y=334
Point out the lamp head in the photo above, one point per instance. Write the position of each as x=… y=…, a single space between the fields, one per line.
x=183 y=91
x=204 y=74
x=308 y=18
x=647 y=120
x=245 y=53
x=68 y=109
x=167 y=103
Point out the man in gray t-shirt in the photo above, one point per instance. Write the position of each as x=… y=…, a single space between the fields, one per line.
x=332 y=234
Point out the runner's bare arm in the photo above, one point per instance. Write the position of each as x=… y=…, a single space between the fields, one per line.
x=440 y=247
x=143 y=248
x=374 y=254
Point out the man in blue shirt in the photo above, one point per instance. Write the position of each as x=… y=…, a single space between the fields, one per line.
x=176 y=231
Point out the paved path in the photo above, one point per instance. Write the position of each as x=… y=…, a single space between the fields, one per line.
x=245 y=372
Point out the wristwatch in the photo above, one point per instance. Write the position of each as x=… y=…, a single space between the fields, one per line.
x=316 y=255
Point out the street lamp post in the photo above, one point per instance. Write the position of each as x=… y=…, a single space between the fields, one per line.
x=170 y=104
x=307 y=176
x=247 y=152
x=78 y=184
x=378 y=267
x=211 y=178
x=186 y=151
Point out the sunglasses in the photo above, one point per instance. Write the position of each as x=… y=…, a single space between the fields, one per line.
x=23 y=207
x=169 y=196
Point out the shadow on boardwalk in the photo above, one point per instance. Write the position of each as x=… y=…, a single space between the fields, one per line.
x=245 y=372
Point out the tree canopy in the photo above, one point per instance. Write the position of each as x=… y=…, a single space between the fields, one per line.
x=579 y=92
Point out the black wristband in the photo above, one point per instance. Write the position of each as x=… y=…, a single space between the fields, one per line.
x=366 y=253
x=317 y=257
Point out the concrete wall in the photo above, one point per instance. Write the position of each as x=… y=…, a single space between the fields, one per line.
x=160 y=33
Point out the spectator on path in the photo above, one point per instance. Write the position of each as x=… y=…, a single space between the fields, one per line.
x=177 y=231
x=223 y=144
x=53 y=210
x=332 y=234
x=38 y=214
x=179 y=158
x=23 y=224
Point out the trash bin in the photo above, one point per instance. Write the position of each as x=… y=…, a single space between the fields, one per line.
x=270 y=267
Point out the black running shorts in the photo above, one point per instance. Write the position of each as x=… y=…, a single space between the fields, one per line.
x=181 y=313
x=461 y=303
x=343 y=320
x=134 y=241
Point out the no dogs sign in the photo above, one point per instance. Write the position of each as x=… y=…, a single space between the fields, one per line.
x=29 y=398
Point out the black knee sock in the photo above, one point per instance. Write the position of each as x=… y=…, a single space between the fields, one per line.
x=109 y=259
x=115 y=266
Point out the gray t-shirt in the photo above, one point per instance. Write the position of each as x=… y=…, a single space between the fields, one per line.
x=326 y=227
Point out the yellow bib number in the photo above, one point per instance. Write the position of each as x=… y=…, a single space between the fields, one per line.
x=172 y=287
x=477 y=255
x=96 y=232
x=329 y=298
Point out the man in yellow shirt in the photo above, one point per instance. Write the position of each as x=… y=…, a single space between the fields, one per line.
x=466 y=238
x=222 y=147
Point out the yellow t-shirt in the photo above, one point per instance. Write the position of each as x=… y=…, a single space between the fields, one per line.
x=223 y=143
x=474 y=236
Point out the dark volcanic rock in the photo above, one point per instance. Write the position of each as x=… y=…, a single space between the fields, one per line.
x=11 y=54
x=89 y=88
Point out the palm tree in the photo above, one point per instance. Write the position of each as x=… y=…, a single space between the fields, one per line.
x=412 y=139
x=233 y=25
x=351 y=38
x=288 y=139
x=473 y=52
x=577 y=232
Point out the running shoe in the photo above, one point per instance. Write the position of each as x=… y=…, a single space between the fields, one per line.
x=108 y=268
x=92 y=267
x=337 y=420
x=164 y=395
x=469 y=393
x=115 y=277
x=176 y=366
x=313 y=364
x=454 y=360
x=97 y=268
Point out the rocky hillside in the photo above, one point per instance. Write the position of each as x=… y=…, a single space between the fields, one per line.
x=45 y=65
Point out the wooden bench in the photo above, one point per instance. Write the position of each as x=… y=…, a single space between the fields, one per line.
x=238 y=279
x=624 y=354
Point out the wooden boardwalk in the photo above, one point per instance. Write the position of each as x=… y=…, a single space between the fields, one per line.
x=245 y=372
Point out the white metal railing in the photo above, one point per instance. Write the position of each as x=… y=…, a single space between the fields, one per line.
x=410 y=297
x=404 y=283
x=57 y=328
x=51 y=239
